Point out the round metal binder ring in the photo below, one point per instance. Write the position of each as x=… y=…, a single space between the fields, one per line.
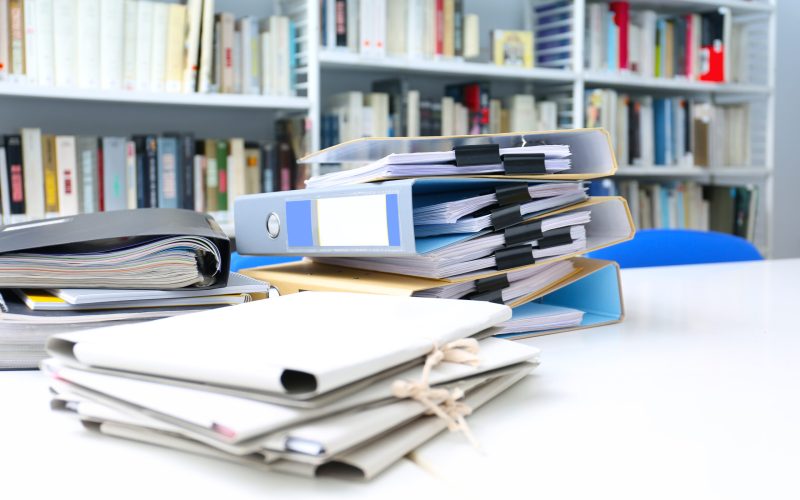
x=273 y=225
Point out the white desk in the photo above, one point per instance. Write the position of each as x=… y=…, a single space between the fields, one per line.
x=695 y=395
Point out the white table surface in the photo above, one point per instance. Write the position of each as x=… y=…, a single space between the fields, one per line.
x=695 y=395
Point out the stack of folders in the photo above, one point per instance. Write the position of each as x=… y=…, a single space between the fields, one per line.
x=345 y=391
x=498 y=218
x=91 y=270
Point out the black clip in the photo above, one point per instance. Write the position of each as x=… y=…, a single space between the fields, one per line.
x=524 y=164
x=523 y=233
x=555 y=240
x=477 y=154
x=504 y=217
x=491 y=283
x=509 y=258
x=508 y=194
x=495 y=296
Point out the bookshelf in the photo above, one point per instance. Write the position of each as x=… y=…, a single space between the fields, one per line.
x=323 y=72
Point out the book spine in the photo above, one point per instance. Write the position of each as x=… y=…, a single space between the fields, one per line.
x=50 y=174
x=131 y=16
x=341 y=22
x=44 y=42
x=266 y=63
x=88 y=33
x=187 y=171
x=267 y=168
x=112 y=32
x=115 y=173
x=151 y=166
x=30 y=11
x=237 y=175
x=439 y=28
x=167 y=172
x=87 y=166
x=255 y=58
x=199 y=179
x=100 y=176
x=175 y=48
x=140 y=146
x=4 y=39
x=131 y=188
x=191 y=65
x=212 y=176
x=144 y=43
x=226 y=40
x=222 y=175
x=448 y=28
x=621 y=19
x=252 y=169
x=66 y=165
x=158 y=49
x=34 y=172
x=458 y=28
x=16 y=174
x=206 y=47
x=16 y=31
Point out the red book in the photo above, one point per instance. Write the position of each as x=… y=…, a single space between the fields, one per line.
x=712 y=51
x=439 y=27
x=621 y=17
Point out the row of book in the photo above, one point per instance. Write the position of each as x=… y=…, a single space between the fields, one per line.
x=689 y=205
x=676 y=131
x=705 y=47
x=144 y=45
x=440 y=29
x=392 y=109
x=45 y=175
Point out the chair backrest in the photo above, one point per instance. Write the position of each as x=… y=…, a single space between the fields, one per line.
x=239 y=262
x=672 y=247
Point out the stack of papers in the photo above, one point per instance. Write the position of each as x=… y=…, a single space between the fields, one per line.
x=84 y=271
x=437 y=163
x=299 y=393
x=28 y=317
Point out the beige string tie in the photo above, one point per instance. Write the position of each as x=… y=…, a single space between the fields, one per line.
x=443 y=403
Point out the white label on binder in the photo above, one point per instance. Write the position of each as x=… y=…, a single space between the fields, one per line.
x=353 y=221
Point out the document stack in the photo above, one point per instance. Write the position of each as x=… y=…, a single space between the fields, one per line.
x=498 y=217
x=344 y=391
x=90 y=270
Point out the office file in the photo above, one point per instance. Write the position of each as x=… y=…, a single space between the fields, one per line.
x=379 y=219
x=594 y=291
x=588 y=152
x=610 y=223
x=292 y=366
x=142 y=249
x=308 y=275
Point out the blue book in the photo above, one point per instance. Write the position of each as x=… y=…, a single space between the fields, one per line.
x=167 y=148
x=611 y=45
x=669 y=138
x=661 y=30
x=659 y=122
x=664 y=195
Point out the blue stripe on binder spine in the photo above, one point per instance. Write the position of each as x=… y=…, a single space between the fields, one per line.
x=393 y=220
x=299 y=229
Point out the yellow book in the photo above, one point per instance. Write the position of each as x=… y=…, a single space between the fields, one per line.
x=448 y=48
x=512 y=48
x=175 y=45
x=50 y=174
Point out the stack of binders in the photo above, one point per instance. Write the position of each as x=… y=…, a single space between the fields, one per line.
x=499 y=218
x=316 y=384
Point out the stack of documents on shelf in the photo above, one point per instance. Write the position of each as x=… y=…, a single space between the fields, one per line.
x=496 y=217
x=345 y=391
x=91 y=270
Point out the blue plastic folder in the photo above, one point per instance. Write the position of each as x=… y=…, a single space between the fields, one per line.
x=359 y=220
x=595 y=289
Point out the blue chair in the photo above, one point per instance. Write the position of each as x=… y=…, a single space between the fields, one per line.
x=246 y=261
x=672 y=247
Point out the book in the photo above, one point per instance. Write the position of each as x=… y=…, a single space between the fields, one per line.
x=4 y=40
x=130 y=34
x=168 y=195
x=112 y=38
x=15 y=176
x=145 y=12
x=222 y=150
x=29 y=14
x=50 y=168
x=88 y=50
x=158 y=49
x=65 y=44
x=212 y=176
x=67 y=174
x=131 y=176
x=205 y=69
x=89 y=188
x=114 y=173
x=512 y=48
x=175 y=45
x=34 y=172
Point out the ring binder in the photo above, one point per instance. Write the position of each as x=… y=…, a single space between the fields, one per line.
x=491 y=283
x=524 y=164
x=513 y=193
x=509 y=258
x=477 y=154
x=523 y=233
x=505 y=217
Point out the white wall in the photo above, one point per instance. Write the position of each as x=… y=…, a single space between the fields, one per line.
x=786 y=228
